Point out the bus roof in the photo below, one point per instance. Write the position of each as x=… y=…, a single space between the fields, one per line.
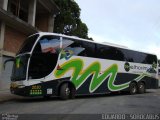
x=103 y=43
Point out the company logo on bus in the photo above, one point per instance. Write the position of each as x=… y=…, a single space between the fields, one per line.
x=128 y=67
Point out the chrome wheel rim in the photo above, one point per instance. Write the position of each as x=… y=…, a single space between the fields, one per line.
x=141 y=86
x=67 y=91
x=134 y=89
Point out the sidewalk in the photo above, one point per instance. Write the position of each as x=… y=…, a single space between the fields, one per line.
x=5 y=95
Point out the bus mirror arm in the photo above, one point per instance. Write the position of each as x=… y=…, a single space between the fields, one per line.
x=6 y=61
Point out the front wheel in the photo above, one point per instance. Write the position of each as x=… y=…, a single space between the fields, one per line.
x=133 y=88
x=141 y=88
x=65 y=91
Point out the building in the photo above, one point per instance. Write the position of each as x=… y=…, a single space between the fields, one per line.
x=18 y=19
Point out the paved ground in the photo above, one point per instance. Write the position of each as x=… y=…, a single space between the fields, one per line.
x=114 y=103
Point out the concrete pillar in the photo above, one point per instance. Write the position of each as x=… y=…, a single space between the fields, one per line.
x=4 y=4
x=32 y=12
x=51 y=23
x=2 y=33
x=2 y=25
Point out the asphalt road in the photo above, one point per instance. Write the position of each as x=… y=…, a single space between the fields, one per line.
x=112 y=103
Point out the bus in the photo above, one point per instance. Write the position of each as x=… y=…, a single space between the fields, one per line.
x=50 y=64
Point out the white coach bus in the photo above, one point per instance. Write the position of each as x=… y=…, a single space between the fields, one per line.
x=50 y=64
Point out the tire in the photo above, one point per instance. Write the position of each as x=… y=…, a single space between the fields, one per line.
x=73 y=91
x=133 y=88
x=65 y=91
x=141 y=88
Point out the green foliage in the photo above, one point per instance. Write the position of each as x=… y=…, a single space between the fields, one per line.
x=68 y=21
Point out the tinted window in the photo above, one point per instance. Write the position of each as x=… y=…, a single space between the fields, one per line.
x=89 y=49
x=72 y=47
x=139 y=57
x=150 y=59
x=78 y=47
x=128 y=55
x=113 y=53
x=134 y=56
x=19 y=68
x=44 y=57
x=108 y=52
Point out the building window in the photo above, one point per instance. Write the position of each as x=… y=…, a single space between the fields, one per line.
x=18 y=8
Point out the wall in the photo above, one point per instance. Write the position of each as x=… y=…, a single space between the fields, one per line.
x=13 y=40
x=6 y=74
x=42 y=22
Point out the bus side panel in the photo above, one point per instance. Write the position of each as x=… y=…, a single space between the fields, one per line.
x=151 y=83
x=51 y=87
x=121 y=78
x=103 y=88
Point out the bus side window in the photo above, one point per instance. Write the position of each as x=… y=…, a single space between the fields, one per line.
x=74 y=46
x=150 y=59
x=100 y=51
x=89 y=49
x=106 y=52
x=139 y=57
x=129 y=56
x=120 y=55
x=111 y=53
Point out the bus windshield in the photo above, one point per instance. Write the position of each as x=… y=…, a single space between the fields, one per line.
x=20 y=68
x=44 y=57
x=28 y=44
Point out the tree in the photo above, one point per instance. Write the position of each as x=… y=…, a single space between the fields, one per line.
x=68 y=21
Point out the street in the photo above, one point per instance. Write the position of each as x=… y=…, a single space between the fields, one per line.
x=111 y=103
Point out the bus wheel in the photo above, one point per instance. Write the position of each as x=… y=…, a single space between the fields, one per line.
x=65 y=91
x=141 y=88
x=133 y=88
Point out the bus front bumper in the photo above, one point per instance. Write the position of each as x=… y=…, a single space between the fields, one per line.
x=20 y=91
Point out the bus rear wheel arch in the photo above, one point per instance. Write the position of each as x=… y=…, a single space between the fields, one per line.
x=66 y=91
x=141 y=87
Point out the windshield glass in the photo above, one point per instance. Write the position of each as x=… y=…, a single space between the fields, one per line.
x=20 y=68
x=44 y=57
x=28 y=44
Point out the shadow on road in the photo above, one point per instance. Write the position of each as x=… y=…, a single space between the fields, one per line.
x=113 y=94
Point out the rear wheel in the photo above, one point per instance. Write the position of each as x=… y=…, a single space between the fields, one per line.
x=65 y=91
x=141 y=88
x=133 y=88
